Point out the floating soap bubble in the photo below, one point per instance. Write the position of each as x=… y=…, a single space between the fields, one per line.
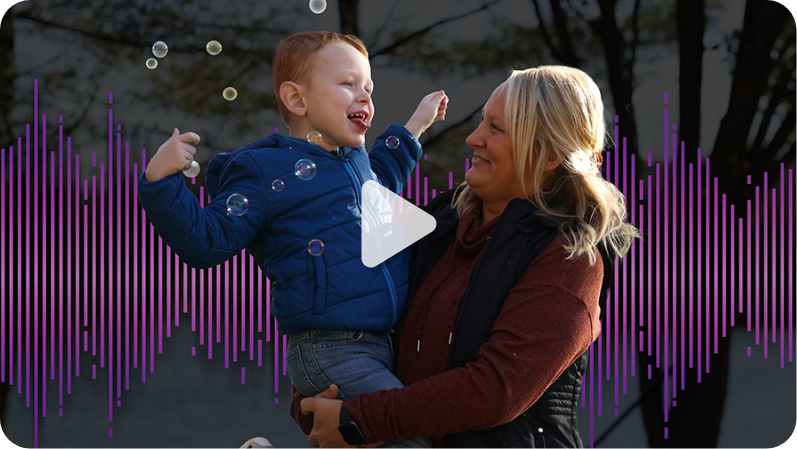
x=230 y=94
x=315 y=247
x=278 y=185
x=213 y=47
x=152 y=63
x=160 y=49
x=237 y=204
x=192 y=171
x=392 y=142
x=305 y=169
x=318 y=6
x=314 y=137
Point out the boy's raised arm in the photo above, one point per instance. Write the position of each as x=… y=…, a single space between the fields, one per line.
x=397 y=149
x=204 y=236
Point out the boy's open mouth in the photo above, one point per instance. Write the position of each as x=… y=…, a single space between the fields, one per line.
x=360 y=119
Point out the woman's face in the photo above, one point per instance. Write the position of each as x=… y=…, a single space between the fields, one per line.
x=493 y=174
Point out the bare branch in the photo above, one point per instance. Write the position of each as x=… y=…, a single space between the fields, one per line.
x=634 y=39
x=387 y=21
x=565 y=43
x=781 y=136
x=544 y=30
x=789 y=157
x=428 y=28
x=442 y=133
x=779 y=93
x=121 y=40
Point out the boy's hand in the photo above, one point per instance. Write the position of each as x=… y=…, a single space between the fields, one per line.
x=173 y=156
x=431 y=109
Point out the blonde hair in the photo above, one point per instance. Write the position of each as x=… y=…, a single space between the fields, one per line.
x=292 y=61
x=556 y=113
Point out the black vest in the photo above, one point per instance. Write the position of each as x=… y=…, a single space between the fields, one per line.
x=519 y=237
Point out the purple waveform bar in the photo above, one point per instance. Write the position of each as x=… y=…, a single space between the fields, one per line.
x=98 y=263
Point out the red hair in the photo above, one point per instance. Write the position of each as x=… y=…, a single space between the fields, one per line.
x=292 y=58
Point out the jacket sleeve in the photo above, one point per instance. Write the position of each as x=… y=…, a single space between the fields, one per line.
x=393 y=166
x=206 y=236
x=548 y=320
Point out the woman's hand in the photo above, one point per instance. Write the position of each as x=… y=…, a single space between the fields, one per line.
x=327 y=418
x=326 y=408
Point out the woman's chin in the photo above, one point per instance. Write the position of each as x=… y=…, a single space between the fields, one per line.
x=473 y=178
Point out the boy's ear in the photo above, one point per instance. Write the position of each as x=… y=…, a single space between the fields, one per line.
x=292 y=97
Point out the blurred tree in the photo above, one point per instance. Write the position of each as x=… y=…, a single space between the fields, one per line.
x=7 y=75
x=349 y=16
x=763 y=73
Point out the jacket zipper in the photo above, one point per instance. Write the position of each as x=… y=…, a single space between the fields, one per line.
x=352 y=171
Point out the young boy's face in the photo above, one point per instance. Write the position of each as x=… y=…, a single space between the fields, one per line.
x=338 y=96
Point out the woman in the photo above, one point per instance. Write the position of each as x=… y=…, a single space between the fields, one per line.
x=505 y=292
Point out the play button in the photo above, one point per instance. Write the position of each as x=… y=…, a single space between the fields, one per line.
x=389 y=224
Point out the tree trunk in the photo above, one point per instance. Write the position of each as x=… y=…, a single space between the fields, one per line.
x=620 y=70
x=763 y=22
x=7 y=76
x=349 y=16
x=691 y=27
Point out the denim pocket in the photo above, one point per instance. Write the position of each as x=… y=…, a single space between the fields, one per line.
x=297 y=371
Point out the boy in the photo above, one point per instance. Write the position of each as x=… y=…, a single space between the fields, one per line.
x=295 y=204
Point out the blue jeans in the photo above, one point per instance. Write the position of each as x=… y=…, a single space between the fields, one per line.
x=356 y=361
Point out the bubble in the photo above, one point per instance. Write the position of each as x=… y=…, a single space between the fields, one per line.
x=192 y=171
x=152 y=63
x=318 y=6
x=237 y=204
x=278 y=185
x=213 y=47
x=314 y=137
x=160 y=49
x=230 y=94
x=315 y=247
x=392 y=142
x=305 y=169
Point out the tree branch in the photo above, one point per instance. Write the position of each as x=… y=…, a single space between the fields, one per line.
x=560 y=25
x=634 y=39
x=387 y=21
x=427 y=28
x=442 y=133
x=544 y=30
x=781 y=136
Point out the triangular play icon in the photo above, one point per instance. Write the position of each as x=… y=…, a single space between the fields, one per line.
x=389 y=224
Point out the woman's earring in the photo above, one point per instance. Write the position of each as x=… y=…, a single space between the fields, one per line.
x=597 y=159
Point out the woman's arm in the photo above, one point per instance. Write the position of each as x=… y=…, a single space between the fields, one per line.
x=548 y=320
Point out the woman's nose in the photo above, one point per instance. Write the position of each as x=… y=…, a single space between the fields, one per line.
x=474 y=140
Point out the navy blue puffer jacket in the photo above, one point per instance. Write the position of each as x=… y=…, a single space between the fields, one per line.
x=330 y=291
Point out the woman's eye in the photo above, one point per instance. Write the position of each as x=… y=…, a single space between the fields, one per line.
x=497 y=128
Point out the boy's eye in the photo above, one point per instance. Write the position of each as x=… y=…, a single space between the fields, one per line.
x=349 y=83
